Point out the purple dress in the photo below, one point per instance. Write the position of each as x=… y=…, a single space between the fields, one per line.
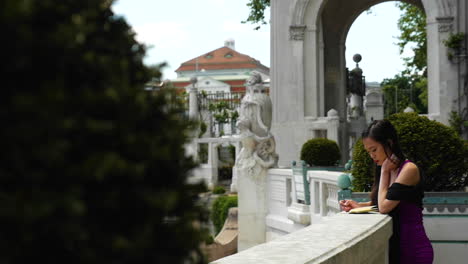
x=409 y=242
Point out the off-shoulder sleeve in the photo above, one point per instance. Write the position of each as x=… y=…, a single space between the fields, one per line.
x=399 y=192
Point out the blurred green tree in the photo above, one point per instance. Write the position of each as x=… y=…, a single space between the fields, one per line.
x=92 y=167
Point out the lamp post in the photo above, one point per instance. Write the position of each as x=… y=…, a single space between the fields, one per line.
x=356 y=86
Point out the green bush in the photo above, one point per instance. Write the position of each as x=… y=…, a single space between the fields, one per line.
x=434 y=147
x=220 y=209
x=219 y=190
x=362 y=169
x=92 y=167
x=320 y=152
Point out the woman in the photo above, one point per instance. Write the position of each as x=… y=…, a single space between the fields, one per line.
x=398 y=191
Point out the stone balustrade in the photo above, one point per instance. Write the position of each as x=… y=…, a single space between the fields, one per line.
x=207 y=171
x=324 y=190
x=445 y=214
x=341 y=238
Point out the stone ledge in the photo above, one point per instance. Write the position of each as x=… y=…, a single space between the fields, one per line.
x=342 y=238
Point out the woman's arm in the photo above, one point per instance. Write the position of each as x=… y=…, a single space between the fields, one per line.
x=362 y=204
x=385 y=206
x=347 y=205
x=409 y=175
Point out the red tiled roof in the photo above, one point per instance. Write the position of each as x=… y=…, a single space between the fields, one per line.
x=222 y=58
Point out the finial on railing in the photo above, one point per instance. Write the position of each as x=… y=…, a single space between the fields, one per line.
x=344 y=183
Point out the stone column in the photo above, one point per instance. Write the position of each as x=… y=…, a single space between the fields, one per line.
x=213 y=165
x=193 y=101
x=253 y=209
x=443 y=76
x=235 y=176
x=333 y=125
x=356 y=105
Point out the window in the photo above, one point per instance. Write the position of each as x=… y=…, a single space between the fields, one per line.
x=209 y=56
x=228 y=55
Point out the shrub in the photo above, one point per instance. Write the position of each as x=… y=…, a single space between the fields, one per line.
x=93 y=168
x=434 y=147
x=219 y=190
x=320 y=152
x=220 y=209
x=362 y=169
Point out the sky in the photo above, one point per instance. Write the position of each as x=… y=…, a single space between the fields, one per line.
x=179 y=30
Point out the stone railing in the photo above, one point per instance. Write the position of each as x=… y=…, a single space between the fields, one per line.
x=207 y=171
x=287 y=212
x=342 y=238
x=324 y=190
x=280 y=197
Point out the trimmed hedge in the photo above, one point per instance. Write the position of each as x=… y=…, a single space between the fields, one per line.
x=434 y=147
x=320 y=152
x=220 y=209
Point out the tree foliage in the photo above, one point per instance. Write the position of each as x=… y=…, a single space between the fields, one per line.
x=257 y=12
x=412 y=26
x=93 y=168
x=402 y=91
x=409 y=87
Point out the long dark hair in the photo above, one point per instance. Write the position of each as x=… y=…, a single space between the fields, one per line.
x=384 y=133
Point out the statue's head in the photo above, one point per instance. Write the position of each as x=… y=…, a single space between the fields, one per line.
x=254 y=79
x=255 y=84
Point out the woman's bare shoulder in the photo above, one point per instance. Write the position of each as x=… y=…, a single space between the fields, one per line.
x=409 y=174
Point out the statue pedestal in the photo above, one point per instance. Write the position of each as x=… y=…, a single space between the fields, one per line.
x=252 y=204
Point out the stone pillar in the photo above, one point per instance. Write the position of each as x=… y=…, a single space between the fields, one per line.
x=193 y=100
x=253 y=209
x=356 y=105
x=443 y=75
x=235 y=176
x=213 y=163
x=333 y=125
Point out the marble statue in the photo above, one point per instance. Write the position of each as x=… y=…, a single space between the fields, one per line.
x=258 y=144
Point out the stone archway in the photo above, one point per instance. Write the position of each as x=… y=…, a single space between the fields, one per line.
x=308 y=63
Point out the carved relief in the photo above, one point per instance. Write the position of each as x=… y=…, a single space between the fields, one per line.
x=297 y=32
x=445 y=24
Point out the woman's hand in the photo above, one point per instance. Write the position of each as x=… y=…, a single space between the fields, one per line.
x=390 y=163
x=347 y=205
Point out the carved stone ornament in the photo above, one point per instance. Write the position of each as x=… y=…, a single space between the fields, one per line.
x=445 y=24
x=297 y=32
